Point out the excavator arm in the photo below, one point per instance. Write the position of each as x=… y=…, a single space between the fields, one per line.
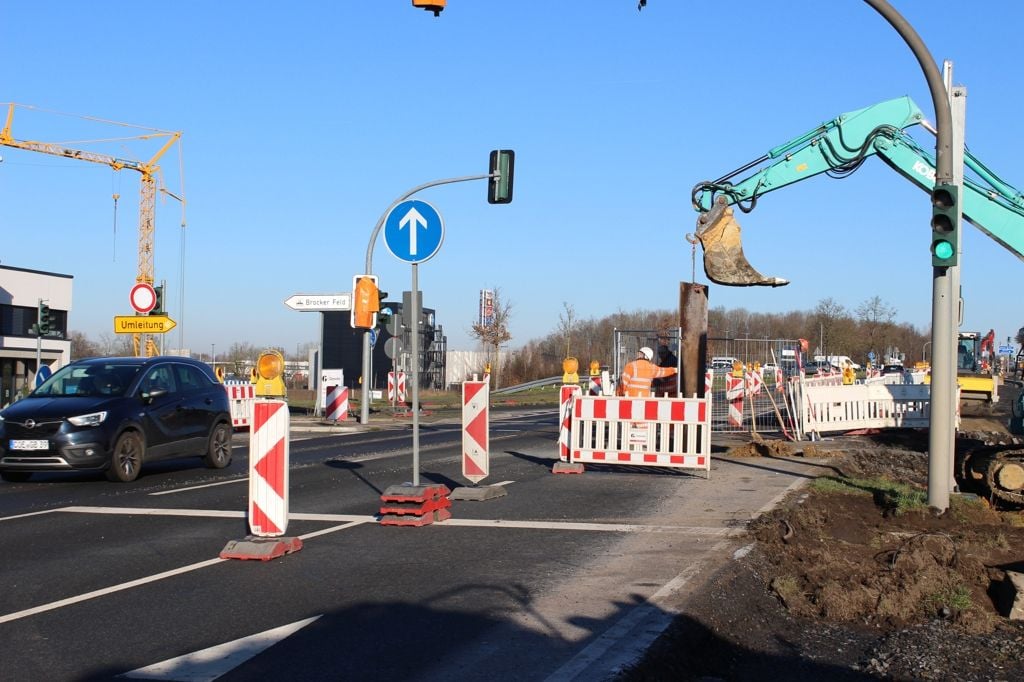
x=838 y=147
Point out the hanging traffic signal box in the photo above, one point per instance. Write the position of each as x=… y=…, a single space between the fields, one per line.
x=44 y=319
x=365 y=301
x=499 y=185
x=158 y=307
x=945 y=224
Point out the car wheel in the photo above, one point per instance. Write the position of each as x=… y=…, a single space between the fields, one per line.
x=129 y=452
x=15 y=476
x=218 y=453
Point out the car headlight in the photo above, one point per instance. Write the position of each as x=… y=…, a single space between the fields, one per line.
x=94 y=419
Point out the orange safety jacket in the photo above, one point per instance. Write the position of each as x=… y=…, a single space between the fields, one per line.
x=637 y=376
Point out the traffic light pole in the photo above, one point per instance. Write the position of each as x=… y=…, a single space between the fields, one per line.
x=364 y=406
x=943 y=384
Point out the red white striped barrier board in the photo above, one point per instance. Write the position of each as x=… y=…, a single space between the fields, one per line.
x=663 y=432
x=734 y=394
x=337 y=403
x=754 y=382
x=396 y=385
x=241 y=396
x=565 y=399
x=268 y=469
x=476 y=458
x=709 y=380
x=594 y=387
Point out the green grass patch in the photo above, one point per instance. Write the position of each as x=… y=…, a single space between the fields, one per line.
x=956 y=597
x=899 y=498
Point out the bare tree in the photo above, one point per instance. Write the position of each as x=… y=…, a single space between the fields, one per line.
x=494 y=332
x=566 y=322
x=876 y=319
x=82 y=347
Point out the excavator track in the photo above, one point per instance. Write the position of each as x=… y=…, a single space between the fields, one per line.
x=998 y=469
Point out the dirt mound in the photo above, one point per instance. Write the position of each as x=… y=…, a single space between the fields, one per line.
x=854 y=576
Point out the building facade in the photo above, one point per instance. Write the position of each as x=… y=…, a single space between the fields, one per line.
x=21 y=290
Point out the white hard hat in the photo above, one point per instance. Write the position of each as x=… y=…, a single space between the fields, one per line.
x=647 y=353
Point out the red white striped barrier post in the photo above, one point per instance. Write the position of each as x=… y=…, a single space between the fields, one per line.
x=567 y=394
x=268 y=487
x=734 y=394
x=476 y=455
x=337 y=403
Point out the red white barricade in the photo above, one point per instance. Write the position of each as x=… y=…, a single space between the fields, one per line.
x=734 y=394
x=565 y=398
x=268 y=469
x=396 y=387
x=754 y=381
x=662 y=432
x=241 y=396
x=337 y=403
x=475 y=430
x=709 y=376
x=594 y=387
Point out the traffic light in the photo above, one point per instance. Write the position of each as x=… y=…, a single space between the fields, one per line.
x=435 y=6
x=945 y=224
x=499 y=185
x=365 y=301
x=158 y=306
x=383 y=313
x=44 y=319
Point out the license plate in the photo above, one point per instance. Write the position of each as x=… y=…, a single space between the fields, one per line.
x=30 y=445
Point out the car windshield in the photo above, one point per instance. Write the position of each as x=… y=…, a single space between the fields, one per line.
x=110 y=379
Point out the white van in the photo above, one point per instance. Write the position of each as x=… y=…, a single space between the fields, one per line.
x=839 y=361
x=722 y=362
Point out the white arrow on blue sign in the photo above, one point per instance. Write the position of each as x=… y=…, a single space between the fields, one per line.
x=413 y=231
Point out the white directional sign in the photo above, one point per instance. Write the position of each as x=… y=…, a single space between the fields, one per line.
x=319 y=302
x=413 y=231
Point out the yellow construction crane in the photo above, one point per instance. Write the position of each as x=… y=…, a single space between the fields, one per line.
x=147 y=199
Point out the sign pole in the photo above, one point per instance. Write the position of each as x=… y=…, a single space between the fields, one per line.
x=415 y=352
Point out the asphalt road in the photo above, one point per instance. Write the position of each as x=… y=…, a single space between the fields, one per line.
x=566 y=577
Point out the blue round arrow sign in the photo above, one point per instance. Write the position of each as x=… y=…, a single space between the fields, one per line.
x=413 y=231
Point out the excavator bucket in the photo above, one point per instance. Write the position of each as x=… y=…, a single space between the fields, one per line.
x=724 y=262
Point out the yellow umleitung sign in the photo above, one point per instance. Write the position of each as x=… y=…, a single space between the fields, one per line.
x=143 y=324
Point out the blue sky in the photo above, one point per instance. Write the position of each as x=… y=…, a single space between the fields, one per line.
x=302 y=123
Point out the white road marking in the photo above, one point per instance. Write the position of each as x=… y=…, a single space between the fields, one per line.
x=18 y=615
x=208 y=664
x=243 y=479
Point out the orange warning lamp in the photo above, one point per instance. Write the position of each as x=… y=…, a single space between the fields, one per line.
x=569 y=369
x=365 y=302
x=737 y=369
x=595 y=368
x=270 y=365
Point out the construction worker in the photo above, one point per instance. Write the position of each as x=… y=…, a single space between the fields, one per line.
x=637 y=376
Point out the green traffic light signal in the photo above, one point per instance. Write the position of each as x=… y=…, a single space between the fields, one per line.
x=945 y=224
x=44 y=319
x=499 y=185
x=158 y=306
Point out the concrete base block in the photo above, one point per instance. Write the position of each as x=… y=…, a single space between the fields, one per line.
x=1016 y=583
x=567 y=468
x=478 y=494
x=414 y=519
x=263 y=549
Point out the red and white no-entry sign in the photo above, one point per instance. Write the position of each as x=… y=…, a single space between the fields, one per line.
x=142 y=297
x=476 y=460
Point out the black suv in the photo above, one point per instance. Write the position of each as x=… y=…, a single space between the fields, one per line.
x=115 y=414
